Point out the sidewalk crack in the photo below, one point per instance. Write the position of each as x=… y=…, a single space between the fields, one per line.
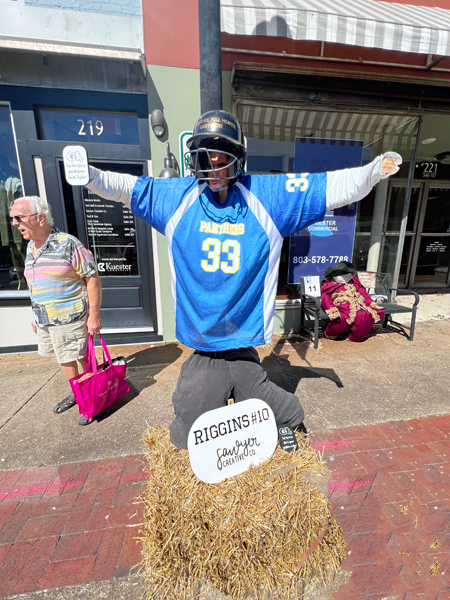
x=30 y=398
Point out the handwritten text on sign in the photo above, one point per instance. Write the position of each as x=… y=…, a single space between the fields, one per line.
x=227 y=441
x=76 y=165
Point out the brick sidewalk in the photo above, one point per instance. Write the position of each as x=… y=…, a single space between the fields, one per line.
x=389 y=491
x=69 y=525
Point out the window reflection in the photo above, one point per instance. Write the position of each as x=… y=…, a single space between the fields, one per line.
x=13 y=246
x=364 y=216
x=437 y=215
x=389 y=254
x=395 y=211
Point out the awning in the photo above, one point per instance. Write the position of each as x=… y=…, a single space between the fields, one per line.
x=367 y=23
x=285 y=124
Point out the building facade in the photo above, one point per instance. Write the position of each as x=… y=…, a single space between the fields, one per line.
x=71 y=73
x=365 y=70
x=370 y=71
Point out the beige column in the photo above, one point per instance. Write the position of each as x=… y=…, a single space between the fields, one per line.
x=376 y=235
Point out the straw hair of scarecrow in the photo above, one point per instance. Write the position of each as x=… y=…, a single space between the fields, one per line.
x=248 y=535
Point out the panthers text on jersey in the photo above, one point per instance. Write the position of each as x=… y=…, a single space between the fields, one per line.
x=224 y=257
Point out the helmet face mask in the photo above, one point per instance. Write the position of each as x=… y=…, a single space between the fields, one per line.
x=201 y=165
x=216 y=132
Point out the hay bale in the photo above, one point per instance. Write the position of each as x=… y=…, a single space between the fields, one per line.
x=248 y=536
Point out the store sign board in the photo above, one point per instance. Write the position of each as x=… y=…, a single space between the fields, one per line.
x=229 y=440
x=427 y=169
x=111 y=233
x=76 y=165
x=326 y=243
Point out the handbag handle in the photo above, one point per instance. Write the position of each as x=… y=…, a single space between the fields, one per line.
x=91 y=361
x=105 y=350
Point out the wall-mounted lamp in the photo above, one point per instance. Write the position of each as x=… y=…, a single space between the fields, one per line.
x=442 y=155
x=158 y=122
x=170 y=165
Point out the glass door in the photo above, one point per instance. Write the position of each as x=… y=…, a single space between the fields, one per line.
x=432 y=253
x=121 y=245
x=391 y=229
x=12 y=245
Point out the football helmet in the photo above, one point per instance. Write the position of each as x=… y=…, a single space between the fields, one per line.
x=216 y=131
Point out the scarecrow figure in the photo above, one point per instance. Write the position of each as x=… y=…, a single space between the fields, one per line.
x=347 y=304
x=225 y=231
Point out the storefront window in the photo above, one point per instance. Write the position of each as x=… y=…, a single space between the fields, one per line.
x=271 y=133
x=361 y=252
x=437 y=214
x=433 y=261
x=395 y=208
x=389 y=255
x=13 y=246
x=364 y=215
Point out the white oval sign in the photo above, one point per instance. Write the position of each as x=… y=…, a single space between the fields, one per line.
x=76 y=165
x=227 y=441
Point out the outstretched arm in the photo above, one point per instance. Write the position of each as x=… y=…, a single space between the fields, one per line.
x=112 y=186
x=350 y=185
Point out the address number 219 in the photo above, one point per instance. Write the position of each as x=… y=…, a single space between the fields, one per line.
x=98 y=127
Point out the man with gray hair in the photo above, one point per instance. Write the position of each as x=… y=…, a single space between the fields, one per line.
x=65 y=289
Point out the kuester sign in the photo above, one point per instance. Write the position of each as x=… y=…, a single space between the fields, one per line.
x=227 y=441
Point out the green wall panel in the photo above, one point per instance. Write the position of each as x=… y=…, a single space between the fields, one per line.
x=176 y=92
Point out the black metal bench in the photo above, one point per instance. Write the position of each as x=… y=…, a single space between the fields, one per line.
x=381 y=292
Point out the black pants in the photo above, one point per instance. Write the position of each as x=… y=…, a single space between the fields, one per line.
x=208 y=379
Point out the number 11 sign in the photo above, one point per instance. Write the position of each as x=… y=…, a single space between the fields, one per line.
x=312 y=285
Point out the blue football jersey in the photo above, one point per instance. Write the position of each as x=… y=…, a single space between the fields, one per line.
x=224 y=257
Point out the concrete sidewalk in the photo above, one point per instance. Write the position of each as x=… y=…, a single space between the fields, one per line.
x=67 y=493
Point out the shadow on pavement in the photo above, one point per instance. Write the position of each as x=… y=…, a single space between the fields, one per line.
x=142 y=367
x=288 y=377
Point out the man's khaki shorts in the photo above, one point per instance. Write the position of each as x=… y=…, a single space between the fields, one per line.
x=67 y=342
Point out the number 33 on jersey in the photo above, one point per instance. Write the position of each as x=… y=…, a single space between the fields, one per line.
x=215 y=248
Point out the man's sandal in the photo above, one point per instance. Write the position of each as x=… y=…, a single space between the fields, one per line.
x=65 y=404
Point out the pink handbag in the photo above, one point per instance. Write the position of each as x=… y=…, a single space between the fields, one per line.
x=99 y=386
